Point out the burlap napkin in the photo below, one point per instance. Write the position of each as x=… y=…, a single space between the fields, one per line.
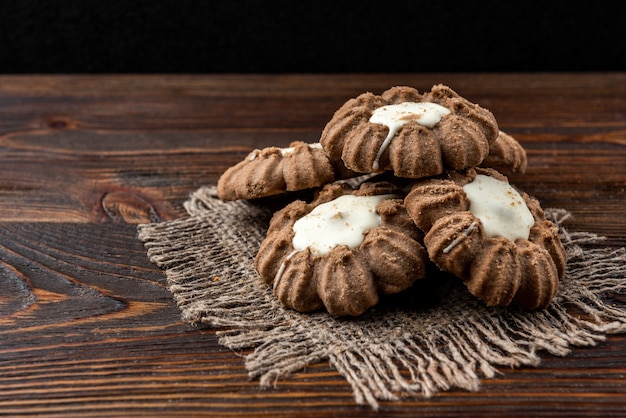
x=433 y=337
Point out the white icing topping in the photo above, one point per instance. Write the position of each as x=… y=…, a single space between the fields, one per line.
x=253 y=155
x=499 y=207
x=281 y=269
x=460 y=238
x=284 y=152
x=395 y=116
x=288 y=152
x=342 y=221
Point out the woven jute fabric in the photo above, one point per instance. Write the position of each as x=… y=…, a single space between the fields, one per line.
x=433 y=337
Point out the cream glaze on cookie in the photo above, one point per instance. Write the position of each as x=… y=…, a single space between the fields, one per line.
x=500 y=208
x=396 y=115
x=342 y=221
x=289 y=151
x=284 y=152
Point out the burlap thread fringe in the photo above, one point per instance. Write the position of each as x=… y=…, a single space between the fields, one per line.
x=390 y=352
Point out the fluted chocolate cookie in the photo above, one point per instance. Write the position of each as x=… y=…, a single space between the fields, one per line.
x=274 y=170
x=342 y=250
x=496 y=239
x=506 y=155
x=412 y=134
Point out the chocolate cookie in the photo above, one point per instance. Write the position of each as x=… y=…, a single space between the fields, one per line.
x=412 y=134
x=496 y=239
x=506 y=155
x=342 y=250
x=274 y=170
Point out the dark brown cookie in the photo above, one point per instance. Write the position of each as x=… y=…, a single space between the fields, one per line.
x=274 y=170
x=412 y=134
x=506 y=155
x=494 y=238
x=342 y=250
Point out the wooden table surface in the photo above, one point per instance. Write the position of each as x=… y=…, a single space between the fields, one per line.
x=87 y=325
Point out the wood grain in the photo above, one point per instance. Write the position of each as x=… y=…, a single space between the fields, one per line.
x=87 y=325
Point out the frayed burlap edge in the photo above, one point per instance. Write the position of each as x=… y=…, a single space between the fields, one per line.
x=386 y=354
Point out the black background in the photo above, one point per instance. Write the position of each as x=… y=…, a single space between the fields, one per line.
x=244 y=36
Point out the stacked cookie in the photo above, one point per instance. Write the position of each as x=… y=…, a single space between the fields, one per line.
x=431 y=191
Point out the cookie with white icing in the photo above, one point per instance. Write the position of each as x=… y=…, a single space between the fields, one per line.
x=496 y=239
x=272 y=171
x=414 y=135
x=342 y=250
